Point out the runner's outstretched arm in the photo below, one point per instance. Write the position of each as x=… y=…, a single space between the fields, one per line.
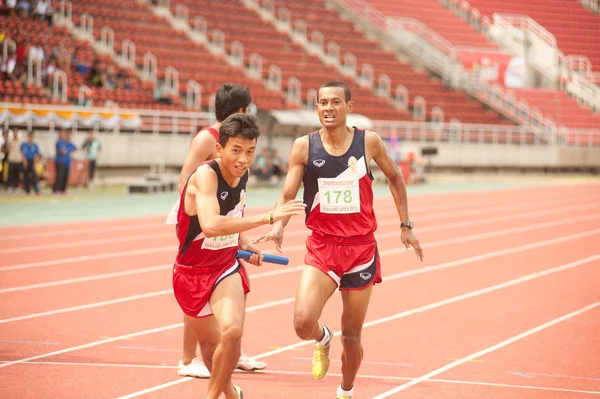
x=378 y=152
x=213 y=224
x=293 y=179
x=291 y=186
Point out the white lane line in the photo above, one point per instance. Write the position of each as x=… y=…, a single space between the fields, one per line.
x=84 y=258
x=409 y=273
x=132 y=335
x=103 y=241
x=474 y=237
x=303 y=373
x=160 y=221
x=134 y=297
x=485 y=351
x=303 y=231
x=397 y=316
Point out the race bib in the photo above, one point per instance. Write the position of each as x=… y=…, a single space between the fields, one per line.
x=339 y=195
x=222 y=242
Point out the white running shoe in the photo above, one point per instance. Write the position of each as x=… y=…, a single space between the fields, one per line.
x=195 y=369
x=248 y=363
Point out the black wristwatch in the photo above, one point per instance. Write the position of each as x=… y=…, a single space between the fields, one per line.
x=407 y=224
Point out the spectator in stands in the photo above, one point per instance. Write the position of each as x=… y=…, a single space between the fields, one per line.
x=80 y=64
x=123 y=81
x=43 y=10
x=36 y=54
x=48 y=72
x=9 y=66
x=23 y=8
x=63 y=56
x=109 y=78
x=92 y=149
x=12 y=6
x=21 y=61
x=31 y=156
x=95 y=74
x=15 y=161
x=62 y=162
x=36 y=51
x=161 y=95
x=128 y=82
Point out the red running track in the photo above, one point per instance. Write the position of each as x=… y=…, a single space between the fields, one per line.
x=505 y=305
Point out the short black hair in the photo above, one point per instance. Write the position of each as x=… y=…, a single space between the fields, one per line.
x=347 y=92
x=229 y=98
x=238 y=125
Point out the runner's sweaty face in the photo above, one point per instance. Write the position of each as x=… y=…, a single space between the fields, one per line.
x=332 y=107
x=237 y=155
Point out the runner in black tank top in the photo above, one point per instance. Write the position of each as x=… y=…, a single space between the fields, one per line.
x=229 y=99
x=216 y=252
x=321 y=164
x=341 y=250
x=205 y=270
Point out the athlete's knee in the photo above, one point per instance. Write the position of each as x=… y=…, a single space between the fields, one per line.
x=351 y=337
x=231 y=334
x=304 y=324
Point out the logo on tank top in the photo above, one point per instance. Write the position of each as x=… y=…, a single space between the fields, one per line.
x=224 y=195
x=353 y=165
x=319 y=162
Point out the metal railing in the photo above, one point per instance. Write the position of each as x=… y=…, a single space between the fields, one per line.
x=129 y=121
x=186 y=123
x=456 y=132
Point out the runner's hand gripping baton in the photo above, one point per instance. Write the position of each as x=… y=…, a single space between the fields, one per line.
x=280 y=260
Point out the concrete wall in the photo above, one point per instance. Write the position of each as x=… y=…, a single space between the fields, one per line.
x=484 y=156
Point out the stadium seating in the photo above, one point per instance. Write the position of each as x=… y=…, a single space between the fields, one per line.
x=171 y=47
x=276 y=48
x=151 y=33
x=454 y=104
x=141 y=24
x=575 y=27
x=564 y=110
x=37 y=32
x=437 y=17
x=28 y=32
x=571 y=23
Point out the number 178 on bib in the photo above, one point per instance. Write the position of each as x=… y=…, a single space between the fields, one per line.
x=339 y=195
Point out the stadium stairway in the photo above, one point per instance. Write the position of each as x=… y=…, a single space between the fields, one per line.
x=437 y=17
x=329 y=24
x=461 y=32
x=286 y=64
x=575 y=27
x=562 y=108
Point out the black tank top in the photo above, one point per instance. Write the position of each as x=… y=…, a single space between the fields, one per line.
x=352 y=164
x=192 y=250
